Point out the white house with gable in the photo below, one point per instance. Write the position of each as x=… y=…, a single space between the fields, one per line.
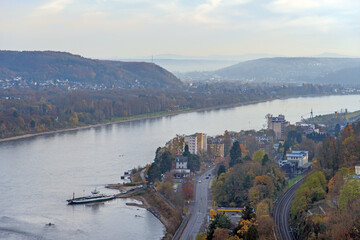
x=181 y=170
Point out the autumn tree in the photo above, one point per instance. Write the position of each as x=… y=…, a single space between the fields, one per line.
x=187 y=190
x=258 y=156
x=220 y=234
x=265 y=227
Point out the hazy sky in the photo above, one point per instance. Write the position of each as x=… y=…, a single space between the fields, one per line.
x=134 y=28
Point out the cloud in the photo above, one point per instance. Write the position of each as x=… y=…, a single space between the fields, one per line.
x=52 y=7
x=287 y=6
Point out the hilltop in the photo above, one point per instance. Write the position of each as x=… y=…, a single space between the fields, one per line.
x=288 y=70
x=44 y=66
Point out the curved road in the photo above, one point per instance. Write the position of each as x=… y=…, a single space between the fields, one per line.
x=200 y=206
x=282 y=213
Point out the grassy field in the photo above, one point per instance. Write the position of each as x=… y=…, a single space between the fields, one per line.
x=294 y=180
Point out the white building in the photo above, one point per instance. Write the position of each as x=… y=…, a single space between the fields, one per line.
x=357 y=170
x=191 y=141
x=181 y=170
x=299 y=158
x=197 y=143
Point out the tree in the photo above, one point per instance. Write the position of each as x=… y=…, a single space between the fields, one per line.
x=157 y=155
x=187 y=190
x=220 y=221
x=166 y=160
x=337 y=128
x=349 y=193
x=248 y=214
x=265 y=160
x=154 y=173
x=186 y=152
x=258 y=156
x=235 y=154
x=193 y=163
x=252 y=233
x=74 y=119
x=222 y=169
x=220 y=234
x=265 y=227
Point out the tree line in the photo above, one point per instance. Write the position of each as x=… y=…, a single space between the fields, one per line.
x=24 y=111
x=332 y=187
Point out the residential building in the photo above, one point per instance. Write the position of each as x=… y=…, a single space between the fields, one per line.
x=278 y=125
x=216 y=149
x=197 y=143
x=181 y=170
x=192 y=143
x=201 y=142
x=298 y=158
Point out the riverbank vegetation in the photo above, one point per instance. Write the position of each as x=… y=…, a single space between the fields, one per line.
x=326 y=206
x=29 y=111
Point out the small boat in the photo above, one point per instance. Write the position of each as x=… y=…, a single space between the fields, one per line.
x=95 y=196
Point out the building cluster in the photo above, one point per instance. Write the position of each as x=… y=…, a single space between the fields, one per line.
x=19 y=82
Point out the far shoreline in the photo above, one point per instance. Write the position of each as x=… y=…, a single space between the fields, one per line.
x=167 y=114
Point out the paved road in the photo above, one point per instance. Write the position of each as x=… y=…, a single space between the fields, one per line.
x=199 y=209
x=282 y=213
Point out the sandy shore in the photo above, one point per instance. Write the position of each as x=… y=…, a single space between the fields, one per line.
x=134 y=118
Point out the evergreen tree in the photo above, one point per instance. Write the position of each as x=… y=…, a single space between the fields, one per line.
x=154 y=173
x=235 y=154
x=193 y=162
x=248 y=213
x=221 y=170
x=265 y=160
x=166 y=162
x=252 y=233
x=220 y=221
x=186 y=152
x=157 y=155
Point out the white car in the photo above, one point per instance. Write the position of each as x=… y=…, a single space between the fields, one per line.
x=199 y=181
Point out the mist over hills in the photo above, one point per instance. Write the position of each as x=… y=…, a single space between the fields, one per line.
x=287 y=70
x=179 y=64
x=41 y=66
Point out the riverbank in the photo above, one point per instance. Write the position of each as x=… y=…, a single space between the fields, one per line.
x=151 y=116
x=169 y=216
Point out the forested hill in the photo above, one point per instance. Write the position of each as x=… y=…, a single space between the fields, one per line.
x=290 y=70
x=50 y=67
x=315 y=70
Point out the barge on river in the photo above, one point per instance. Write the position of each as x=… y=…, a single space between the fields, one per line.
x=95 y=196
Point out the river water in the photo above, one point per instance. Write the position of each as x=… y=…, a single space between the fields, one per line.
x=38 y=174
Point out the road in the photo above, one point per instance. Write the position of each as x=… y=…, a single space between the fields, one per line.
x=282 y=213
x=199 y=209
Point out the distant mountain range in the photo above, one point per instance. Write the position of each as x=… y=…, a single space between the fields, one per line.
x=48 y=65
x=180 y=64
x=287 y=70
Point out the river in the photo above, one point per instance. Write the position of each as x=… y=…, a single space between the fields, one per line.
x=38 y=174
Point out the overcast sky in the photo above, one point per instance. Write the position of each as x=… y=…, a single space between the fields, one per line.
x=135 y=28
